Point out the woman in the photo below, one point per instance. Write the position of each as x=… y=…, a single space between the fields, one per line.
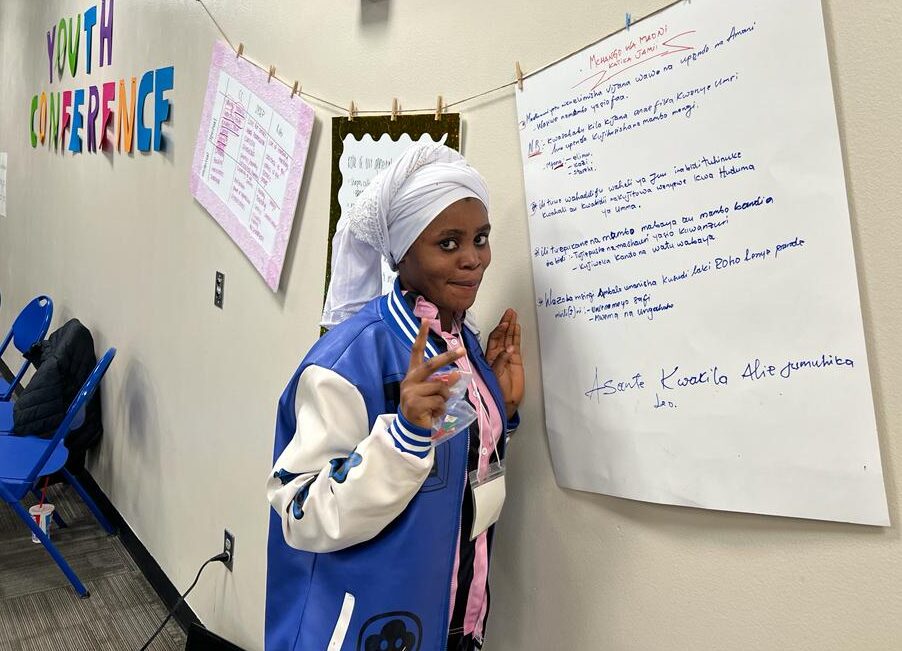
x=378 y=538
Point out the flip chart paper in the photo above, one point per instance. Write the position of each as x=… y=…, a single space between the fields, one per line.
x=699 y=318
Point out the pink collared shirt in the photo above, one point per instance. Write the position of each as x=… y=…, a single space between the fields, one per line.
x=491 y=429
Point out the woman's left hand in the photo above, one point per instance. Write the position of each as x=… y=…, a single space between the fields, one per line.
x=503 y=354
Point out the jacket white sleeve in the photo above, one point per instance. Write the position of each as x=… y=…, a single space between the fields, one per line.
x=336 y=484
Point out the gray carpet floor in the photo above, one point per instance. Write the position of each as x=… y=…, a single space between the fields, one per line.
x=39 y=609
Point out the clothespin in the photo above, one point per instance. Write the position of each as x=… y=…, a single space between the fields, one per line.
x=352 y=111
x=394 y=109
x=438 y=109
x=519 y=75
x=295 y=89
x=240 y=50
x=272 y=71
x=629 y=20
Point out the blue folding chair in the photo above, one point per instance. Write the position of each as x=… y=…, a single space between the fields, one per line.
x=24 y=460
x=6 y=418
x=6 y=429
x=29 y=328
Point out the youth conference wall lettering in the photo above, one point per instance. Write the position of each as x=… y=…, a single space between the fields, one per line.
x=53 y=115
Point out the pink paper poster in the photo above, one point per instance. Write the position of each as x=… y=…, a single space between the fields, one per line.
x=249 y=158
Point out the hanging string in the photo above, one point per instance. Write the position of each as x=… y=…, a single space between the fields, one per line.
x=344 y=109
x=478 y=95
x=221 y=30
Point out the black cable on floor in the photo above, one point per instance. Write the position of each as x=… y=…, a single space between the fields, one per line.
x=223 y=557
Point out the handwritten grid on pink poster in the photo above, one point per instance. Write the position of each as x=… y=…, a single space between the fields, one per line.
x=249 y=158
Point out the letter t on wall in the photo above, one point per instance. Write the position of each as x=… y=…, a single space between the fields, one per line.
x=90 y=21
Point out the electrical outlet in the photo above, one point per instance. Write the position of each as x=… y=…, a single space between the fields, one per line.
x=228 y=545
x=219 y=289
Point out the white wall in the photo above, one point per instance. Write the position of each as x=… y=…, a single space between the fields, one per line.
x=190 y=400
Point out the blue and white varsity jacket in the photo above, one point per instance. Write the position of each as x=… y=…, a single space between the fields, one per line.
x=366 y=515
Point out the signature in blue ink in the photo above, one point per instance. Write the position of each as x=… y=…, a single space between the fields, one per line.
x=612 y=386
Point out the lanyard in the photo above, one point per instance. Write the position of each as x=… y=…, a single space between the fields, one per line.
x=483 y=418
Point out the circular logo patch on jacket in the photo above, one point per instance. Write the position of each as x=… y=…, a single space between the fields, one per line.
x=397 y=631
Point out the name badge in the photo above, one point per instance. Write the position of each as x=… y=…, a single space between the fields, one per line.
x=488 y=497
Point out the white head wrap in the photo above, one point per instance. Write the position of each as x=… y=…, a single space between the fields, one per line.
x=387 y=218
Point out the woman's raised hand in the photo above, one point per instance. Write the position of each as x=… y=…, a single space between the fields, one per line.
x=422 y=399
x=503 y=353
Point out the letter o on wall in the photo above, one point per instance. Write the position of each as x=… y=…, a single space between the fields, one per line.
x=42 y=120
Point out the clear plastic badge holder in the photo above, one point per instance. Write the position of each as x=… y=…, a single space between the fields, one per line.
x=459 y=414
x=488 y=497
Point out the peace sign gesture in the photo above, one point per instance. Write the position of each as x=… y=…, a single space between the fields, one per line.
x=422 y=399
